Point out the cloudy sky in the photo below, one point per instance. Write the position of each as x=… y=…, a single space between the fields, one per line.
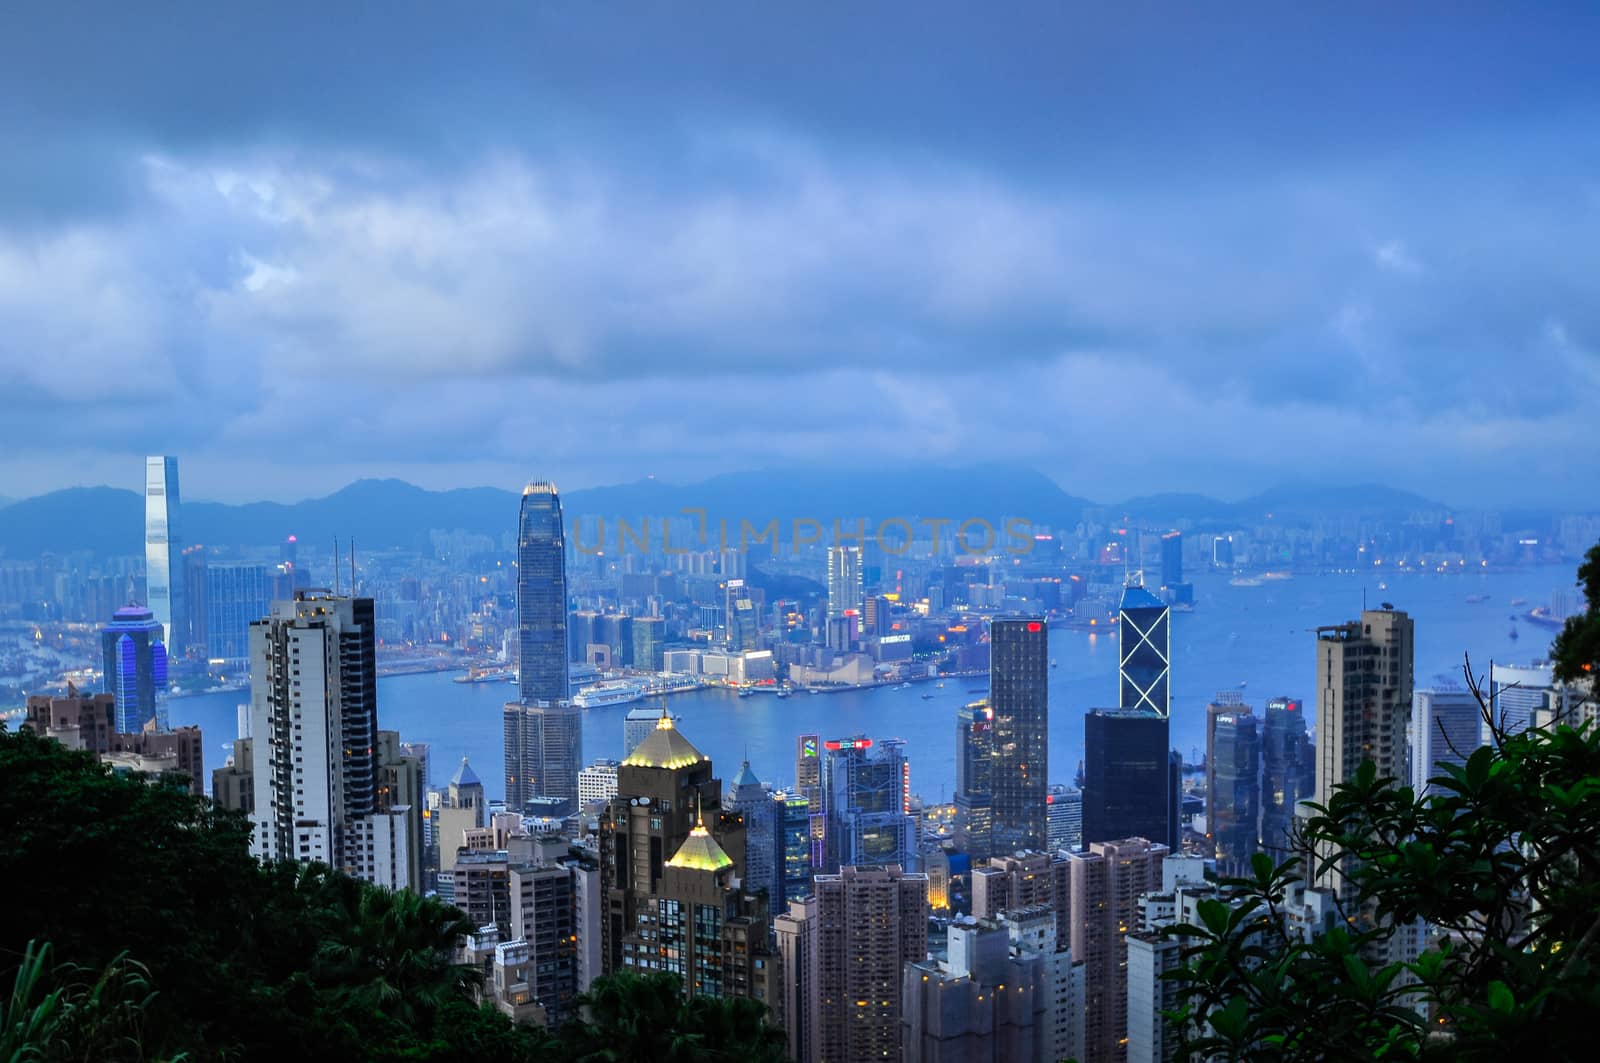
x=1189 y=246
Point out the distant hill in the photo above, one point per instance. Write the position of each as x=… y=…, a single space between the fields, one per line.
x=388 y=513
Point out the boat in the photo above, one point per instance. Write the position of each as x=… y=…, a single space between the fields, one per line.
x=1514 y=634
x=609 y=693
x=1245 y=581
x=498 y=674
x=940 y=684
x=783 y=693
x=745 y=693
x=1382 y=586
x=1474 y=599
x=905 y=686
x=927 y=697
x=1518 y=601
x=1054 y=663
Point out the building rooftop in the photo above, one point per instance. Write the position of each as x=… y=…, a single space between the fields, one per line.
x=700 y=851
x=665 y=747
x=465 y=776
x=1136 y=597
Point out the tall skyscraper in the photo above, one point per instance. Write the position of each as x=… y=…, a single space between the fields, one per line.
x=237 y=595
x=1364 y=687
x=671 y=858
x=1446 y=727
x=638 y=724
x=739 y=616
x=1145 y=644
x=314 y=715
x=869 y=924
x=763 y=869
x=1172 y=558
x=975 y=763
x=846 y=591
x=864 y=804
x=1233 y=795
x=543 y=730
x=794 y=846
x=541 y=596
x=1019 y=694
x=134 y=662
x=1104 y=885
x=1288 y=772
x=1126 y=776
x=1064 y=811
x=163 y=547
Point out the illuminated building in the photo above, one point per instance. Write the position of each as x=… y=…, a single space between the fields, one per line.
x=846 y=591
x=163 y=546
x=975 y=766
x=134 y=659
x=864 y=799
x=1288 y=772
x=1145 y=652
x=1019 y=695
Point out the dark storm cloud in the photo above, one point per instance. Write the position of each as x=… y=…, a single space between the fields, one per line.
x=486 y=238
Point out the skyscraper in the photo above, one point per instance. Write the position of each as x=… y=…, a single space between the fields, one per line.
x=1172 y=558
x=763 y=869
x=314 y=715
x=163 y=545
x=1019 y=694
x=1064 y=811
x=975 y=760
x=846 y=591
x=1446 y=727
x=134 y=660
x=237 y=595
x=638 y=724
x=1233 y=795
x=1364 y=686
x=541 y=596
x=1145 y=643
x=543 y=730
x=869 y=924
x=739 y=616
x=864 y=804
x=1104 y=885
x=1126 y=776
x=1288 y=772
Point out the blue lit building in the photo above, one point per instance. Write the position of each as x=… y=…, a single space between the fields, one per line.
x=237 y=595
x=865 y=793
x=794 y=839
x=134 y=661
x=1145 y=637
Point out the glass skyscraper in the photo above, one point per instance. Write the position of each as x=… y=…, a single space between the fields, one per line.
x=237 y=595
x=1233 y=804
x=1288 y=771
x=163 y=568
x=541 y=596
x=845 y=587
x=1019 y=696
x=975 y=761
x=134 y=660
x=543 y=730
x=1126 y=790
x=1145 y=640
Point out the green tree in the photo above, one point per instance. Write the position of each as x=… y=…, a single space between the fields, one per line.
x=55 y=1014
x=1576 y=653
x=633 y=1018
x=1501 y=859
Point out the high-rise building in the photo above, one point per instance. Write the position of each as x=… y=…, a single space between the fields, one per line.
x=1364 y=687
x=163 y=548
x=638 y=724
x=196 y=566
x=1064 y=817
x=795 y=932
x=1172 y=558
x=314 y=715
x=1019 y=695
x=975 y=762
x=864 y=799
x=402 y=792
x=671 y=860
x=541 y=597
x=1145 y=652
x=598 y=782
x=1446 y=727
x=237 y=595
x=808 y=784
x=1288 y=772
x=739 y=616
x=134 y=659
x=846 y=591
x=763 y=869
x=233 y=785
x=1234 y=792
x=1105 y=884
x=794 y=845
x=649 y=641
x=869 y=923
x=987 y=1003
x=544 y=753
x=1126 y=790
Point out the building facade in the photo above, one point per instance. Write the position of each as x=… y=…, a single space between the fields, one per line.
x=1019 y=695
x=1144 y=639
x=1127 y=776
x=163 y=548
x=134 y=667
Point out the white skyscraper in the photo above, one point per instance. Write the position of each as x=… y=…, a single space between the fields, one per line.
x=1446 y=727
x=163 y=567
x=845 y=588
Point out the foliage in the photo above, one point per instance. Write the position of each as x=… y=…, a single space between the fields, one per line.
x=1500 y=859
x=1576 y=653
x=633 y=1018
x=52 y=1014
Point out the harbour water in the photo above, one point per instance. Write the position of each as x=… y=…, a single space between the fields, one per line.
x=1256 y=640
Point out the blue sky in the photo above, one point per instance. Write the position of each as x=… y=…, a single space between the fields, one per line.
x=1144 y=247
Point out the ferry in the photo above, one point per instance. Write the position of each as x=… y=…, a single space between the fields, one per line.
x=502 y=674
x=1474 y=599
x=605 y=695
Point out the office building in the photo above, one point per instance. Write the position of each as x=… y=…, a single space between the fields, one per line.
x=794 y=845
x=1064 y=817
x=1127 y=777
x=865 y=799
x=134 y=662
x=975 y=765
x=237 y=595
x=638 y=724
x=1019 y=695
x=763 y=868
x=314 y=715
x=739 y=616
x=1528 y=695
x=1172 y=558
x=649 y=641
x=671 y=860
x=1446 y=727
x=1288 y=773
x=1144 y=652
x=598 y=782
x=163 y=548
x=1233 y=790
x=541 y=597
x=544 y=754
x=869 y=923
x=846 y=591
